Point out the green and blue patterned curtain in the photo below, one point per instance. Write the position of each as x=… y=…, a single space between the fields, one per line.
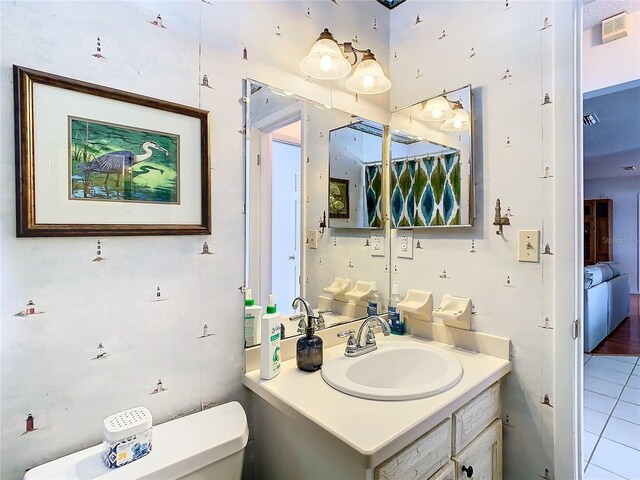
x=373 y=186
x=425 y=192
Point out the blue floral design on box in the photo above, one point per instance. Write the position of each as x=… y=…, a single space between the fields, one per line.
x=117 y=454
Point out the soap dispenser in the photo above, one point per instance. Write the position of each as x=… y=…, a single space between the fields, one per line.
x=309 y=349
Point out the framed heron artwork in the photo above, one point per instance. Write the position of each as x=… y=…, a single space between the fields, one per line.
x=122 y=164
x=91 y=160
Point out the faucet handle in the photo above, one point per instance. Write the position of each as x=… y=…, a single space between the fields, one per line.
x=352 y=343
x=371 y=336
x=346 y=333
x=320 y=312
x=295 y=318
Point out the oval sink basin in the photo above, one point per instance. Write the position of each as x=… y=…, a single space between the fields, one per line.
x=402 y=370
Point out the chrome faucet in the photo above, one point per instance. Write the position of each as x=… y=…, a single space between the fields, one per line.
x=306 y=320
x=354 y=347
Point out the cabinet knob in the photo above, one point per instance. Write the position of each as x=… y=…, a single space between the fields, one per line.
x=468 y=470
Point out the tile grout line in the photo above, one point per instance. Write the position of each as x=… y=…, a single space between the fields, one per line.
x=606 y=470
x=607 y=422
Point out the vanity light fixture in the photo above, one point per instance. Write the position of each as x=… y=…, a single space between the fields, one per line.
x=326 y=60
x=436 y=110
x=459 y=121
x=368 y=78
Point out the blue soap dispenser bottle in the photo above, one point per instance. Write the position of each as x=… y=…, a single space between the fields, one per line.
x=309 y=349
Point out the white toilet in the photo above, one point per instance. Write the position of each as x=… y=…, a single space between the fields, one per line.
x=207 y=445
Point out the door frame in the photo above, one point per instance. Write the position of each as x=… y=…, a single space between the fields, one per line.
x=568 y=229
x=260 y=225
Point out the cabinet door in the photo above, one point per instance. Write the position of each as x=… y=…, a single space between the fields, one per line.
x=482 y=458
x=589 y=232
x=604 y=230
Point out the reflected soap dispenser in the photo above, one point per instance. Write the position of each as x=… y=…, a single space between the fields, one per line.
x=309 y=349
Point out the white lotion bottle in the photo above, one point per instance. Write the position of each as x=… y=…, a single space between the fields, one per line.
x=270 y=342
x=252 y=315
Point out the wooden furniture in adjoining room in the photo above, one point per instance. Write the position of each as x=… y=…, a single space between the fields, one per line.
x=598 y=231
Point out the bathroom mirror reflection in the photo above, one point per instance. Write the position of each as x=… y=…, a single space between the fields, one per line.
x=355 y=176
x=432 y=162
x=293 y=247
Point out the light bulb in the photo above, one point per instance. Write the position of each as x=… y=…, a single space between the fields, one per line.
x=436 y=113
x=367 y=81
x=457 y=123
x=326 y=62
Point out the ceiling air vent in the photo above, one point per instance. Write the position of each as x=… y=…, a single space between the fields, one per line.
x=629 y=168
x=590 y=119
x=614 y=27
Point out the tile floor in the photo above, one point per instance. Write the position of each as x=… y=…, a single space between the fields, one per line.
x=611 y=437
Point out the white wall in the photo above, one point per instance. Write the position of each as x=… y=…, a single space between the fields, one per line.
x=503 y=35
x=624 y=193
x=349 y=152
x=604 y=65
x=46 y=359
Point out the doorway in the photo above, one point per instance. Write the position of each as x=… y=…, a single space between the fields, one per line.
x=285 y=213
x=611 y=186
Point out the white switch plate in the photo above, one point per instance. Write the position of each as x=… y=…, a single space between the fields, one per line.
x=529 y=246
x=377 y=245
x=313 y=239
x=405 y=243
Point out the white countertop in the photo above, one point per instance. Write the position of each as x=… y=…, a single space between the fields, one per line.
x=373 y=428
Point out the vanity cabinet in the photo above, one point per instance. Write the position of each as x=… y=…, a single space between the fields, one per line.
x=467 y=445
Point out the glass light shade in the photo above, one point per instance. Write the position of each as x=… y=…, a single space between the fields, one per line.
x=436 y=110
x=459 y=122
x=325 y=61
x=368 y=78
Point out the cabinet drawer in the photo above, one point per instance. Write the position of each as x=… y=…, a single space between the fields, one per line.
x=447 y=472
x=421 y=459
x=482 y=458
x=475 y=416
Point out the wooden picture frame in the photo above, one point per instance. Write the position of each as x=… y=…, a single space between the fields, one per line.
x=338 y=198
x=85 y=135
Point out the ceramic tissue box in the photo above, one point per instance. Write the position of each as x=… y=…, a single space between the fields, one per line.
x=127 y=436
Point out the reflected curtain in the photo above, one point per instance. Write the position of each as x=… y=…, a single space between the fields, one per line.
x=373 y=193
x=425 y=191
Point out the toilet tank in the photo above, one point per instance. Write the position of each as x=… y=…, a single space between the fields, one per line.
x=180 y=448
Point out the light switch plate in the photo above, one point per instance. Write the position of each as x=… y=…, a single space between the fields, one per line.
x=313 y=239
x=377 y=244
x=405 y=243
x=529 y=246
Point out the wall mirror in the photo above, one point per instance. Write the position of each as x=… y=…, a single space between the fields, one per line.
x=431 y=166
x=294 y=245
x=355 y=176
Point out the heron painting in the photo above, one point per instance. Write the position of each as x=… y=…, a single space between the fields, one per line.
x=122 y=164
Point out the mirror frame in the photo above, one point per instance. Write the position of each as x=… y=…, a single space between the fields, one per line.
x=472 y=181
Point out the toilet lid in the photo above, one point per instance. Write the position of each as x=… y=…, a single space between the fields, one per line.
x=179 y=447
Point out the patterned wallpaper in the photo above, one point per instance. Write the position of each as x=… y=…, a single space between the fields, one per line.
x=92 y=326
x=505 y=50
